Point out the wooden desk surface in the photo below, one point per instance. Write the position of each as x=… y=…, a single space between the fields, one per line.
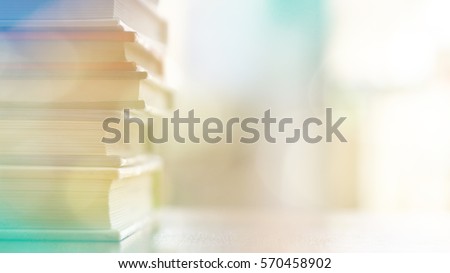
x=188 y=230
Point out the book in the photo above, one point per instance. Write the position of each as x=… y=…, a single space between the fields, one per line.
x=17 y=67
x=102 y=105
x=82 y=86
x=63 y=203
x=71 y=132
x=69 y=85
x=140 y=15
x=33 y=245
x=71 y=160
x=80 y=46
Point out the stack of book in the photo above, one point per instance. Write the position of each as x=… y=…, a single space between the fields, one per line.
x=66 y=67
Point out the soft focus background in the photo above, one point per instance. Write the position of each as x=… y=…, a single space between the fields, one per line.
x=384 y=64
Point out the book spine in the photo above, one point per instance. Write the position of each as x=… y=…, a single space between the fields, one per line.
x=123 y=36
x=55 y=66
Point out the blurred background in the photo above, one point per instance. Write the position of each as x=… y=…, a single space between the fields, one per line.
x=383 y=64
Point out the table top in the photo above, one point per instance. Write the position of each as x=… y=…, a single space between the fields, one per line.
x=250 y=230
